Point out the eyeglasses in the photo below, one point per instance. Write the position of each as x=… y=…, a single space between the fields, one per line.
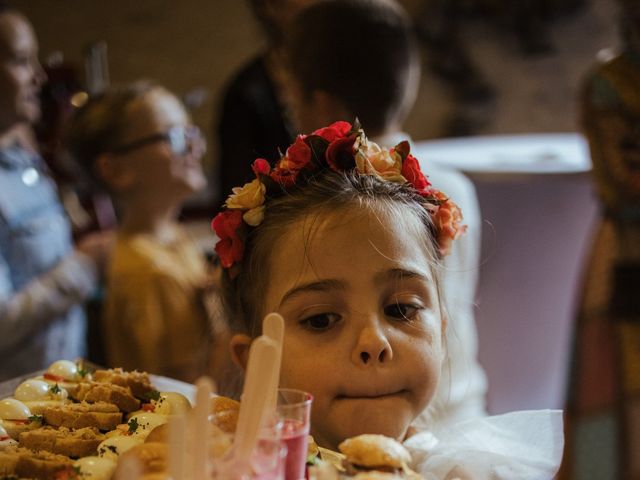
x=180 y=138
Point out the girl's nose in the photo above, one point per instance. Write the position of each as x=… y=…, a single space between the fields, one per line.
x=373 y=347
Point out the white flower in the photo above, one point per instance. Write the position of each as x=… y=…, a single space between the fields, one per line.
x=373 y=160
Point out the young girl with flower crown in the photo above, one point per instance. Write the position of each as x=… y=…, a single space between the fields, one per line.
x=345 y=240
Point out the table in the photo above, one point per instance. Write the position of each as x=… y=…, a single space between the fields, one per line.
x=538 y=209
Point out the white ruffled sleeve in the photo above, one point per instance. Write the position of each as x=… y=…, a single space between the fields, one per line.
x=523 y=445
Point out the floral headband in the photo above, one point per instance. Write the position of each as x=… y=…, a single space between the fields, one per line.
x=340 y=147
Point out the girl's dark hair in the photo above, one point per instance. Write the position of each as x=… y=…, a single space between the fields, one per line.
x=99 y=125
x=359 y=51
x=328 y=192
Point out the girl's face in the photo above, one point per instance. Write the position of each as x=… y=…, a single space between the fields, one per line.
x=158 y=167
x=363 y=323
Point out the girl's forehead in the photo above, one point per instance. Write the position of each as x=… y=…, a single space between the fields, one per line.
x=368 y=218
x=324 y=242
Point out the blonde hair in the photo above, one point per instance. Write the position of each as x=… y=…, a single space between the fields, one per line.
x=100 y=124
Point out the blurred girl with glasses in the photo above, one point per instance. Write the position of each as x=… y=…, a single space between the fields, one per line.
x=138 y=142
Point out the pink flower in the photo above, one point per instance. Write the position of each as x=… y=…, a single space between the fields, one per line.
x=229 y=247
x=447 y=219
x=334 y=131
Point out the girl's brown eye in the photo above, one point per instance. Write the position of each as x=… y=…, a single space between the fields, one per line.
x=320 y=322
x=402 y=311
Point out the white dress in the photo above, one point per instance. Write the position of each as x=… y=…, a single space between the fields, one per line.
x=524 y=445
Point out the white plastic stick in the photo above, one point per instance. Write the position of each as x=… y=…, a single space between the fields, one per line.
x=201 y=427
x=177 y=435
x=263 y=356
x=273 y=327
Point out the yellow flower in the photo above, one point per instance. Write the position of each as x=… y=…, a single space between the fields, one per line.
x=254 y=216
x=247 y=197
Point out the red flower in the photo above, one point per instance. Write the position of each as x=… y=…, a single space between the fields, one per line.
x=334 y=131
x=411 y=171
x=229 y=248
x=297 y=157
x=298 y=154
x=261 y=167
x=340 y=154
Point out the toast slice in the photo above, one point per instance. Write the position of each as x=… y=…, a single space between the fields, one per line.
x=100 y=415
x=93 y=392
x=138 y=382
x=9 y=458
x=41 y=465
x=64 y=441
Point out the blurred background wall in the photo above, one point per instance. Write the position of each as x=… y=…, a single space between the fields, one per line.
x=198 y=44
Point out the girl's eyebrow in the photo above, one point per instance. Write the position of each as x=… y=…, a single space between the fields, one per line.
x=400 y=274
x=319 y=286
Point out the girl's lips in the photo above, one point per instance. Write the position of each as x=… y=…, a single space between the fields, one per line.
x=370 y=395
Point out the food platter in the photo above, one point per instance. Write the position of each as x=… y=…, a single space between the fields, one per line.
x=161 y=383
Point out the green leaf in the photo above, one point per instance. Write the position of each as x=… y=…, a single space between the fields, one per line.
x=133 y=425
x=152 y=395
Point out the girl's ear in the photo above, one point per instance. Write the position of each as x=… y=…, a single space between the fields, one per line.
x=239 y=345
x=115 y=173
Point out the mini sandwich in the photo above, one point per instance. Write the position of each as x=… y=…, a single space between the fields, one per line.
x=92 y=392
x=101 y=415
x=138 y=382
x=38 y=394
x=24 y=463
x=373 y=457
x=64 y=373
x=16 y=417
x=5 y=440
x=64 y=441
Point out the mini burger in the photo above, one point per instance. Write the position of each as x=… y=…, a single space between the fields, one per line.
x=373 y=457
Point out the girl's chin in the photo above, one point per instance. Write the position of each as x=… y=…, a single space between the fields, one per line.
x=391 y=419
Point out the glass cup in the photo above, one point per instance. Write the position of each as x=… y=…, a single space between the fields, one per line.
x=267 y=460
x=294 y=411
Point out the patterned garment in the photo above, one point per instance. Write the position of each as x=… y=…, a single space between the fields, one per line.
x=603 y=424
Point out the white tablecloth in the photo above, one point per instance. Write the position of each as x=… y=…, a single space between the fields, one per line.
x=538 y=211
